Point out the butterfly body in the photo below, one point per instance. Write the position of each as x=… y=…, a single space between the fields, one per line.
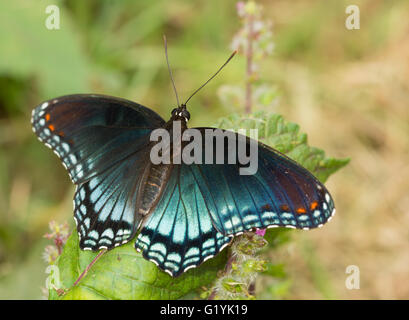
x=180 y=213
x=153 y=187
x=156 y=177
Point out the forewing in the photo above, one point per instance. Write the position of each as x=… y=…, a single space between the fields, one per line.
x=102 y=141
x=89 y=133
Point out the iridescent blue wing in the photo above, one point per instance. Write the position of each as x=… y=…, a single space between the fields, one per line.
x=280 y=194
x=102 y=142
x=205 y=205
x=105 y=206
x=179 y=234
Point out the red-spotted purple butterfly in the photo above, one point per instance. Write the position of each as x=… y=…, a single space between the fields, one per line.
x=181 y=214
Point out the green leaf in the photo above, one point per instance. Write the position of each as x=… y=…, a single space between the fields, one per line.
x=277 y=237
x=122 y=273
x=275 y=270
x=285 y=136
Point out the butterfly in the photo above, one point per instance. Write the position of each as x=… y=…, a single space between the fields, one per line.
x=181 y=214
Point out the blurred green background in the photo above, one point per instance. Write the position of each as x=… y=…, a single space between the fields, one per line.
x=349 y=90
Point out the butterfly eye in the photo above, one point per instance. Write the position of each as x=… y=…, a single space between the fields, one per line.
x=174 y=111
x=186 y=114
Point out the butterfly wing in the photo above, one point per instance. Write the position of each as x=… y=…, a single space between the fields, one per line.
x=179 y=233
x=280 y=194
x=90 y=132
x=102 y=143
x=205 y=205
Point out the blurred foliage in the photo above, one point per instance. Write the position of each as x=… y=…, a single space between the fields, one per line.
x=347 y=89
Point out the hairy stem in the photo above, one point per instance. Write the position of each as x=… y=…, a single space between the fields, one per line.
x=232 y=258
x=249 y=71
x=83 y=274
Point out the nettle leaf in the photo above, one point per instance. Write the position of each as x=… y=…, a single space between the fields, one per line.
x=122 y=273
x=286 y=137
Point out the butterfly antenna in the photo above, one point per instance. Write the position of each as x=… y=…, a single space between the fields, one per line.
x=170 y=71
x=220 y=69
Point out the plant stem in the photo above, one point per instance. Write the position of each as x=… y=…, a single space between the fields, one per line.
x=232 y=258
x=252 y=288
x=82 y=275
x=249 y=73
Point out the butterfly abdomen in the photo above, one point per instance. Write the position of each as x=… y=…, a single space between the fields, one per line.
x=155 y=182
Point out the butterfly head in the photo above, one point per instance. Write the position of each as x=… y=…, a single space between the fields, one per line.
x=181 y=113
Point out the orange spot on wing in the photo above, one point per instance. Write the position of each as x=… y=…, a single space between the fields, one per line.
x=61 y=134
x=51 y=127
x=47 y=117
x=285 y=208
x=314 y=205
x=301 y=210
